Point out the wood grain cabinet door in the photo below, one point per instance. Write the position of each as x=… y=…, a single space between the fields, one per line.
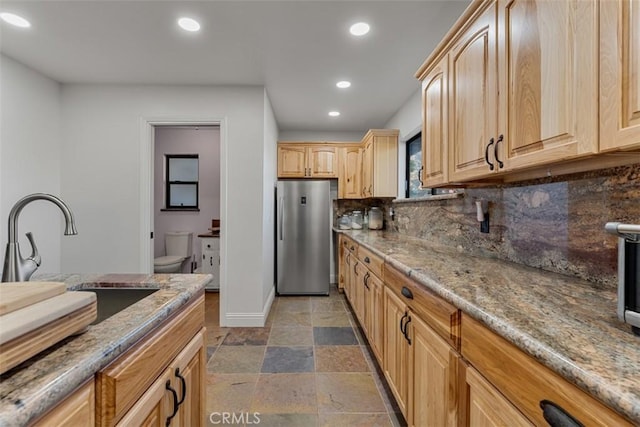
x=473 y=99
x=619 y=75
x=548 y=74
x=292 y=161
x=433 y=379
x=395 y=348
x=350 y=173
x=367 y=169
x=188 y=371
x=434 y=126
x=322 y=162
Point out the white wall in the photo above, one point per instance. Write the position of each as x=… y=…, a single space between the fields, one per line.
x=30 y=158
x=310 y=136
x=101 y=179
x=408 y=119
x=204 y=141
x=268 y=203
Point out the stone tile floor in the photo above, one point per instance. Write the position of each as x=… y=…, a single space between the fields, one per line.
x=309 y=366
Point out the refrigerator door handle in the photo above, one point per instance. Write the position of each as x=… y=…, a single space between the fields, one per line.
x=281 y=219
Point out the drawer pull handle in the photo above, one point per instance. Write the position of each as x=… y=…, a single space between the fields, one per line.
x=175 y=402
x=556 y=416
x=184 y=386
x=367 y=260
x=366 y=280
x=406 y=292
x=486 y=154
x=353 y=248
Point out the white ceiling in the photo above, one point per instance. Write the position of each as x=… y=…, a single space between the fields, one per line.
x=298 y=50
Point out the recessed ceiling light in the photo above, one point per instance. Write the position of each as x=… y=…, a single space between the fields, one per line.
x=343 y=84
x=359 y=29
x=189 y=24
x=334 y=113
x=14 y=19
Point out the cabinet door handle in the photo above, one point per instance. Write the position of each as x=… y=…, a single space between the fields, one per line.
x=406 y=314
x=175 y=402
x=184 y=386
x=211 y=261
x=556 y=416
x=495 y=152
x=420 y=175
x=486 y=153
x=347 y=259
x=406 y=292
x=406 y=330
x=366 y=280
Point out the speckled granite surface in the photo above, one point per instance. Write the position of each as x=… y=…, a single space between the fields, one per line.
x=566 y=323
x=30 y=389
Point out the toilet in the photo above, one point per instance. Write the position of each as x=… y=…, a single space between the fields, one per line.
x=178 y=245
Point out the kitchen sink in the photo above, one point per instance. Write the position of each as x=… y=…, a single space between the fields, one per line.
x=113 y=300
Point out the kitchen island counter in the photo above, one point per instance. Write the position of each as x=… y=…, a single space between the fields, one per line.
x=38 y=384
x=567 y=324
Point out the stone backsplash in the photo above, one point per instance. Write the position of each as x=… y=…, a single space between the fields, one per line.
x=556 y=224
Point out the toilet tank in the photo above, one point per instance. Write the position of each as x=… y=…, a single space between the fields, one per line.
x=178 y=243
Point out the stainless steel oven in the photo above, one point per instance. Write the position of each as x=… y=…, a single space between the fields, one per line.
x=628 y=272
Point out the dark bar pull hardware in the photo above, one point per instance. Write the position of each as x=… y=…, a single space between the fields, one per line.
x=367 y=260
x=406 y=330
x=495 y=152
x=556 y=416
x=366 y=280
x=486 y=154
x=420 y=175
x=407 y=292
x=401 y=323
x=175 y=403
x=184 y=386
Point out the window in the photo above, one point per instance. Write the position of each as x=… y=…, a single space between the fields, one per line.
x=414 y=166
x=181 y=181
x=414 y=173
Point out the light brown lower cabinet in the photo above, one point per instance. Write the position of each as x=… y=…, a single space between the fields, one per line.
x=395 y=348
x=373 y=313
x=77 y=410
x=486 y=406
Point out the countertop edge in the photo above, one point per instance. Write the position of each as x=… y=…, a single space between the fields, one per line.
x=588 y=383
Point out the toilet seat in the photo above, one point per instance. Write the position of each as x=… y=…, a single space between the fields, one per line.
x=168 y=260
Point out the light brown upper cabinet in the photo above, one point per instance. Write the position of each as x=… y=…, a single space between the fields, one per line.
x=434 y=126
x=619 y=75
x=548 y=82
x=350 y=172
x=307 y=161
x=380 y=163
x=473 y=99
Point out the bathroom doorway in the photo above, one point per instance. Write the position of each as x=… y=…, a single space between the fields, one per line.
x=186 y=182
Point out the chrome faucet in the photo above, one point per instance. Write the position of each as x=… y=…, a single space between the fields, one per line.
x=16 y=268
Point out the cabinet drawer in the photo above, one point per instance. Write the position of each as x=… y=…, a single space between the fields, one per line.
x=443 y=317
x=122 y=383
x=370 y=260
x=526 y=382
x=350 y=245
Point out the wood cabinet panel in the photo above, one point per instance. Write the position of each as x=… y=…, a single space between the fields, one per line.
x=433 y=365
x=372 y=261
x=76 y=410
x=385 y=165
x=367 y=168
x=508 y=369
x=473 y=98
x=120 y=384
x=435 y=141
x=322 y=162
x=292 y=161
x=153 y=408
x=487 y=407
x=350 y=173
x=395 y=349
x=548 y=79
x=619 y=75
x=188 y=371
x=375 y=310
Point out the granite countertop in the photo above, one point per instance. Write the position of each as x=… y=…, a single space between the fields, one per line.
x=567 y=324
x=32 y=388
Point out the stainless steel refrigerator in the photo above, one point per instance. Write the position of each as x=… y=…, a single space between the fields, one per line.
x=303 y=235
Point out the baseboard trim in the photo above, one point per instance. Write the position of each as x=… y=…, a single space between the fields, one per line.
x=251 y=319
